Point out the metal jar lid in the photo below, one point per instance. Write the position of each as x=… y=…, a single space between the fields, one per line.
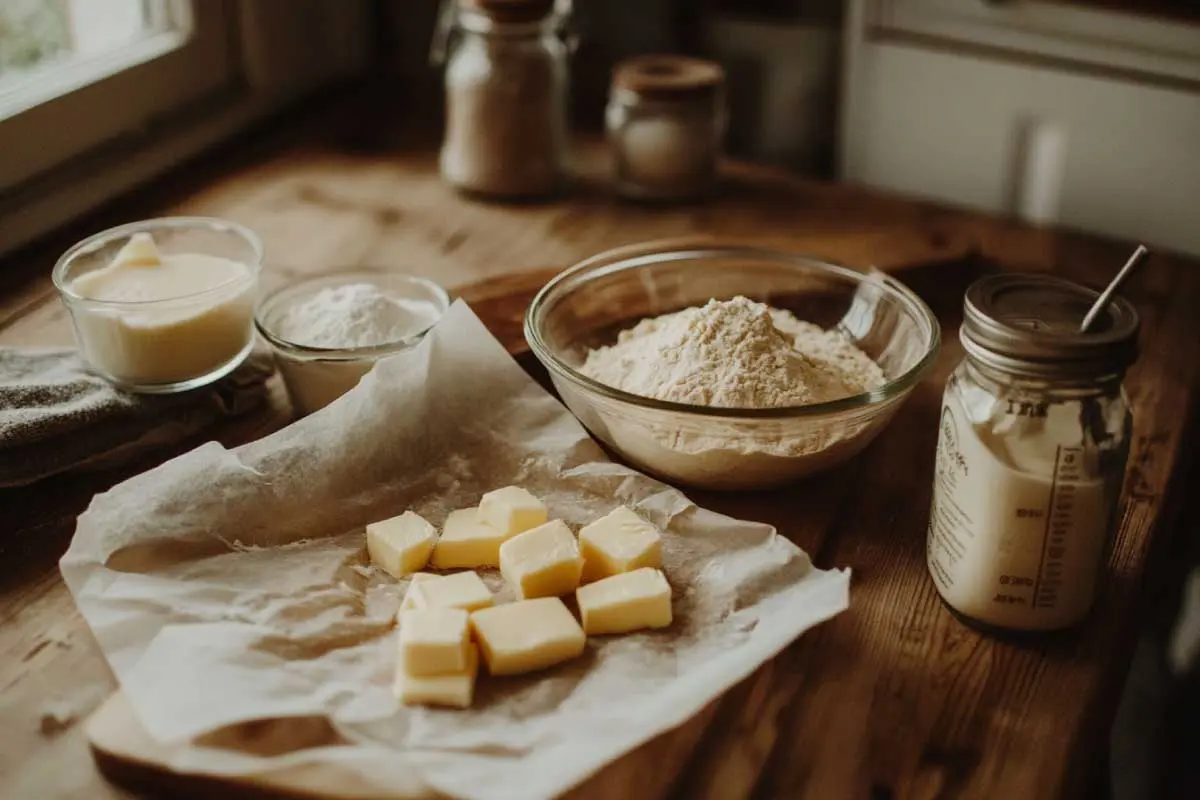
x=510 y=11
x=668 y=77
x=1028 y=325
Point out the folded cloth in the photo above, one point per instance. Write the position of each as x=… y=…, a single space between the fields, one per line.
x=56 y=416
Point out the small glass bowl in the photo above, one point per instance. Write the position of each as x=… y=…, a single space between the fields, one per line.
x=316 y=376
x=172 y=345
x=728 y=448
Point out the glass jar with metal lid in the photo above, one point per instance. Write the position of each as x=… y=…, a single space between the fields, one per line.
x=1033 y=438
x=506 y=87
x=665 y=121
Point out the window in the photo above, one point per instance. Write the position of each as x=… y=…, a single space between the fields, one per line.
x=98 y=96
x=77 y=73
x=48 y=47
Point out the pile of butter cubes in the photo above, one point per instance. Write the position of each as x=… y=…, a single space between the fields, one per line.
x=613 y=568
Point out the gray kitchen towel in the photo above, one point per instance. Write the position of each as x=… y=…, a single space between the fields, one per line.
x=55 y=416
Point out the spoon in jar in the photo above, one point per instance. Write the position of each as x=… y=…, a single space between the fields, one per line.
x=1135 y=261
x=1091 y=416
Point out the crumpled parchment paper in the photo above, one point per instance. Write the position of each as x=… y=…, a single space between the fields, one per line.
x=227 y=586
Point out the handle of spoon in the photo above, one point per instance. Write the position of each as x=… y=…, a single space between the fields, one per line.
x=1102 y=301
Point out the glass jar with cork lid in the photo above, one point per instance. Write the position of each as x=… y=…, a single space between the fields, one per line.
x=1033 y=439
x=506 y=86
x=665 y=120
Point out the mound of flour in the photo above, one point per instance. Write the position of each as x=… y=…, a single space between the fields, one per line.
x=355 y=315
x=734 y=354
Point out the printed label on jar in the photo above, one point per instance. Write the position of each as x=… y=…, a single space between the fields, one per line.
x=1011 y=548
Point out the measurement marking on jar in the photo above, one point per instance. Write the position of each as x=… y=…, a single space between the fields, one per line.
x=1068 y=472
x=1037 y=584
x=1024 y=408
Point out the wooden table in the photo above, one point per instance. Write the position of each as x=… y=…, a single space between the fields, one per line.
x=893 y=698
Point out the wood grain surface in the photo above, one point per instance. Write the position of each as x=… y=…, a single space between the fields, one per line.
x=894 y=698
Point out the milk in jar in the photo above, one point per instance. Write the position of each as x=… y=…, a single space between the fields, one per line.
x=1032 y=444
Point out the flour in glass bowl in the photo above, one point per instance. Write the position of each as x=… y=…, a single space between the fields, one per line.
x=734 y=354
x=323 y=342
x=355 y=315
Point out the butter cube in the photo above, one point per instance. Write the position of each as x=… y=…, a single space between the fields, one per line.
x=626 y=602
x=410 y=596
x=463 y=590
x=140 y=251
x=542 y=562
x=619 y=542
x=467 y=542
x=511 y=510
x=454 y=690
x=435 y=641
x=401 y=545
x=527 y=635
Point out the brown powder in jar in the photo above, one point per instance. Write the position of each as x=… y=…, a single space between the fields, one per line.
x=505 y=113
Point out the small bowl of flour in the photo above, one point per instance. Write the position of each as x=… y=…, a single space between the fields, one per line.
x=728 y=366
x=327 y=332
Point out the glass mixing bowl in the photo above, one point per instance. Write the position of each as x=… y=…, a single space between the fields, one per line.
x=728 y=448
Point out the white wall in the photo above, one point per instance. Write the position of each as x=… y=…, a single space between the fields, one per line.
x=1112 y=153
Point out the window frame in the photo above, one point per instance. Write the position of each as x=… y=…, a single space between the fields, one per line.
x=267 y=56
x=73 y=111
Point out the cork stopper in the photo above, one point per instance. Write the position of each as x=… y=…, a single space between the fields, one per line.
x=668 y=77
x=509 y=11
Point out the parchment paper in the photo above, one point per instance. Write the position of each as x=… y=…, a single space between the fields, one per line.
x=227 y=586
